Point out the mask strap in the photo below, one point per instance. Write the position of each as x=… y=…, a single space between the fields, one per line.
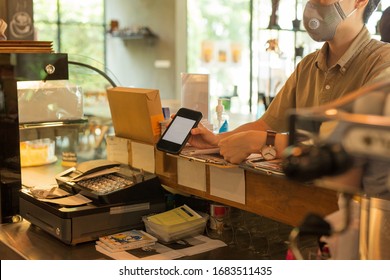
x=351 y=13
x=341 y=12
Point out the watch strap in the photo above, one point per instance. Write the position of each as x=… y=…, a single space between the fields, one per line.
x=270 y=140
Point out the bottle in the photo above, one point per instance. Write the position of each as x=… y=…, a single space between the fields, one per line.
x=235 y=101
x=221 y=123
x=260 y=105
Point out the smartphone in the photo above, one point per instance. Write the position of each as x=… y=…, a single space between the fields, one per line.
x=178 y=132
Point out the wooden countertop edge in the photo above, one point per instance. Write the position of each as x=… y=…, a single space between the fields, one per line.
x=274 y=197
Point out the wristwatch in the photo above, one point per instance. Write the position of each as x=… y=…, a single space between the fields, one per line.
x=268 y=151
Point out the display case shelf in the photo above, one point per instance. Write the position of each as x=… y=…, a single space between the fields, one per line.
x=53 y=124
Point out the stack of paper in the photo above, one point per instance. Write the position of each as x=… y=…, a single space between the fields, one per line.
x=175 y=224
x=179 y=215
x=126 y=240
x=270 y=167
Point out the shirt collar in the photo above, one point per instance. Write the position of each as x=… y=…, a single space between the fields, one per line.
x=362 y=39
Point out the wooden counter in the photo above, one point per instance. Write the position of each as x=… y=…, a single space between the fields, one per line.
x=274 y=197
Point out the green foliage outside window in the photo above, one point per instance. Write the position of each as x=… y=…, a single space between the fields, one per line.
x=77 y=28
x=216 y=20
x=222 y=22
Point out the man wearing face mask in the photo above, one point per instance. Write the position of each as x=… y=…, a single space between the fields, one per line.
x=348 y=60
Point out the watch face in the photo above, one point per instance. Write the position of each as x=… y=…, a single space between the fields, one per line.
x=268 y=152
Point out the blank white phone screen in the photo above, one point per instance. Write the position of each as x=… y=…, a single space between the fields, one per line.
x=178 y=130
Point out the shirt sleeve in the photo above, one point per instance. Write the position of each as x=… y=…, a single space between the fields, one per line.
x=378 y=69
x=276 y=116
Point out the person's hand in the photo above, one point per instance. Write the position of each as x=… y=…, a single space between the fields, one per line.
x=203 y=138
x=3 y=27
x=237 y=147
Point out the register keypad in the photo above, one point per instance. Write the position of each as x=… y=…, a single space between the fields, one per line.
x=106 y=184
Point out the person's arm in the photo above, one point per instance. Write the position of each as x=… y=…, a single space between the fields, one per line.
x=274 y=119
x=3 y=27
x=255 y=125
x=239 y=146
x=203 y=138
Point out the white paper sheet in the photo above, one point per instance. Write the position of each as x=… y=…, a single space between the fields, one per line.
x=228 y=183
x=143 y=156
x=117 y=149
x=191 y=174
x=74 y=200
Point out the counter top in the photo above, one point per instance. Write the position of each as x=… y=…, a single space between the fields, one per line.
x=23 y=240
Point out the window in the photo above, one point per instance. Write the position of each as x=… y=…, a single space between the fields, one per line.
x=218 y=45
x=218 y=29
x=76 y=28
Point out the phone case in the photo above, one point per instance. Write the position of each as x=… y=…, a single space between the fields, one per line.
x=168 y=145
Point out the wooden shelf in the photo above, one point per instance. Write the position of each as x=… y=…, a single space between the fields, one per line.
x=147 y=35
x=134 y=36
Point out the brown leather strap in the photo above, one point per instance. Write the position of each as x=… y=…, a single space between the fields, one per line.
x=270 y=141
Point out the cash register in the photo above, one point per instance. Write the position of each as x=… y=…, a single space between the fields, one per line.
x=118 y=197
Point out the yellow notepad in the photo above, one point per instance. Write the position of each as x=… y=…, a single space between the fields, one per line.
x=176 y=216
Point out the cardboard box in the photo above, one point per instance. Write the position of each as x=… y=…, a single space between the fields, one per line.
x=136 y=113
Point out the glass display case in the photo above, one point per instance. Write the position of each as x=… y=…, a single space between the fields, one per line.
x=16 y=67
x=44 y=126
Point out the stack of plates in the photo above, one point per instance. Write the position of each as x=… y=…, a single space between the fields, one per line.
x=14 y=46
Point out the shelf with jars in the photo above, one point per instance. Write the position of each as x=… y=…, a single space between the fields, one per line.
x=133 y=33
x=280 y=43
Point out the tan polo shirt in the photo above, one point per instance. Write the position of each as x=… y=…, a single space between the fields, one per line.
x=313 y=83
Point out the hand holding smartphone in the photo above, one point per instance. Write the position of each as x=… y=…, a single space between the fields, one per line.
x=178 y=132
